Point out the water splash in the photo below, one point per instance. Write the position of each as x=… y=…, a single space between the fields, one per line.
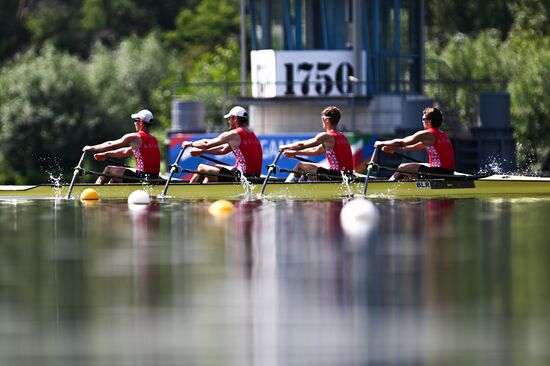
x=52 y=167
x=493 y=166
x=247 y=185
x=56 y=182
x=345 y=183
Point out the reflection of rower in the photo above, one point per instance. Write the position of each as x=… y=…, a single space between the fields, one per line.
x=332 y=143
x=436 y=143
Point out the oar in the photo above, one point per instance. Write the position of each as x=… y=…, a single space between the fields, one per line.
x=369 y=170
x=215 y=161
x=75 y=174
x=391 y=151
x=303 y=159
x=173 y=169
x=117 y=163
x=270 y=170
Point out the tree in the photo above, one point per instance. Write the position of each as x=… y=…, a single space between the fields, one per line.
x=52 y=104
x=445 y=19
x=45 y=114
x=466 y=67
x=201 y=29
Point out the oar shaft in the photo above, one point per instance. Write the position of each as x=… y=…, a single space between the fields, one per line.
x=75 y=174
x=215 y=161
x=369 y=170
x=393 y=152
x=270 y=170
x=304 y=159
x=173 y=169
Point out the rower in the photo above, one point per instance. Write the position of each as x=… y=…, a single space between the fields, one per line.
x=240 y=140
x=332 y=143
x=140 y=144
x=431 y=138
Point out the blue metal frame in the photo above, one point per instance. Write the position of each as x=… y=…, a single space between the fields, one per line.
x=381 y=26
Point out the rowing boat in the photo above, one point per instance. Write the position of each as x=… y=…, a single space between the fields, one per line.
x=493 y=185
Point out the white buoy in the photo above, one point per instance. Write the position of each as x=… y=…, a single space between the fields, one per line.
x=139 y=197
x=358 y=217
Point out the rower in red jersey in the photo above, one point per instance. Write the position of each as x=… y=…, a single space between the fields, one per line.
x=436 y=143
x=240 y=140
x=332 y=143
x=140 y=144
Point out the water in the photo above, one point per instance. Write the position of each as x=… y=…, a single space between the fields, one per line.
x=454 y=282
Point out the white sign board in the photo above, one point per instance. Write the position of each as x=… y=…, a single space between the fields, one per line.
x=302 y=73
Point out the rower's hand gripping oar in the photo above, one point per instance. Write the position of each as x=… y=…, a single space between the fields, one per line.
x=271 y=169
x=76 y=172
x=173 y=169
x=370 y=168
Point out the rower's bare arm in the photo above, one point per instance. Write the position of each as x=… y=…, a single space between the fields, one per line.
x=218 y=150
x=316 y=141
x=123 y=152
x=418 y=146
x=125 y=141
x=312 y=151
x=231 y=138
x=413 y=142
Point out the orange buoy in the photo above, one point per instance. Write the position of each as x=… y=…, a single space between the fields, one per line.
x=89 y=194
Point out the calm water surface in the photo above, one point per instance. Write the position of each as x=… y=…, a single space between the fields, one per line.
x=437 y=282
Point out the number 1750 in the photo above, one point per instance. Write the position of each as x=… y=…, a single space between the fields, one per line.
x=322 y=75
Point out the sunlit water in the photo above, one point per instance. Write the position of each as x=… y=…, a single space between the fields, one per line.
x=437 y=282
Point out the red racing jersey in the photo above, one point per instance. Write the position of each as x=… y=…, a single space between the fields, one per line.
x=340 y=156
x=148 y=154
x=441 y=153
x=248 y=154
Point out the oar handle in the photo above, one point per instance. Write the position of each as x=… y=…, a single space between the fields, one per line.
x=303 y=159
x=270 y=170
x=173 y=169
x=215 y=161
x=391 y=151
x=76 y=171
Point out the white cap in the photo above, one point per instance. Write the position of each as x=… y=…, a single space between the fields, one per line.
x=144 y=115
x=236 y=111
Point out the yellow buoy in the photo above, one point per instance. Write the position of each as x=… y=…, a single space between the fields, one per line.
x=221 y=208
x=89 y=194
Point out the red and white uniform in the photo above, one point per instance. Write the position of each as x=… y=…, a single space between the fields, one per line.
x=148 y=154
x=441 y=153
x=340 y=157
x=248 y=154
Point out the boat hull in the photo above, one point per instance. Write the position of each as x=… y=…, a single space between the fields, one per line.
x=496 y=185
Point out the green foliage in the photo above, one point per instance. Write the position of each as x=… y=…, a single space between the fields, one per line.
x=529 y=88
x=213 y=68
x=127 y=77
x=468 y=66
x=52 y=104
x=445 y=19
x=203 y=28
x=465 y=68
x=45 y=113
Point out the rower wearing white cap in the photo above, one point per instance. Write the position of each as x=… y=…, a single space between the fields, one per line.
x=240 y=140
x=140 y=144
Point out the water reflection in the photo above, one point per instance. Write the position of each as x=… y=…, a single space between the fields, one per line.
x=438 y=282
